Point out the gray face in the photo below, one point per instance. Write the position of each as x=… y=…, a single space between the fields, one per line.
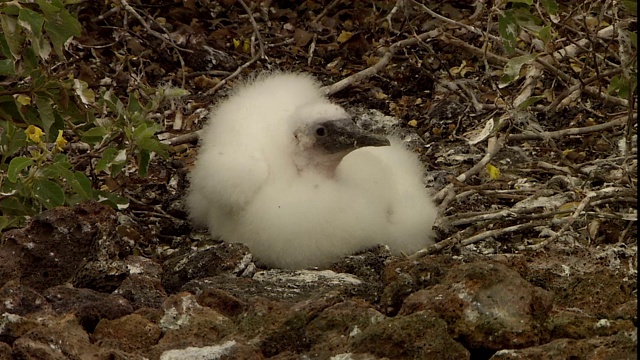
x=342 y=136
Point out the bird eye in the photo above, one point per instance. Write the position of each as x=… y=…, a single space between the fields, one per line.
x=321 y=131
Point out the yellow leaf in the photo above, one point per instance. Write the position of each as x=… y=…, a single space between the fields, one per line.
x=246 y=47
x=413 y=123
x=380 y=95
x=60 y=141
x=494 y=172
x=23 y=99
x=576 y=66
x=344 y=36
x=34 y=133
x=236 y=43
x=462 y=69
x=570 y=206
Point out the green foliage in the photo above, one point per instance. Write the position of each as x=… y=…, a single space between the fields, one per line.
x=40 y=111
x=522 y=16
x=537 y=19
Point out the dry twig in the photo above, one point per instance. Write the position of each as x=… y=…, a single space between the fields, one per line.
x=567 y=132
x=384 y=61
x=256 y=31
x=495 y=144
x=166 y=39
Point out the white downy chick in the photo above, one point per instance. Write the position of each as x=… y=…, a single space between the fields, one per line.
x=286 y=172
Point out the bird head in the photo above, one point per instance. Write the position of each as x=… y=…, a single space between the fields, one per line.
x=324 y=134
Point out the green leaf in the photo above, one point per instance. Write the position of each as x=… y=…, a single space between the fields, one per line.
x=31 y=20
x=144 y=158
x=84 y=92
x=113 y=200
x=111 y=157
x=12 y=206
x=545 y=34
x=511 y=70
x=551 y=6
x=508 y=30
x=32 y=66
x=634 y=38
x=12 y=139
x=12 y=35
x=16 y=165
x=4 y=221
x=95 y=134
x=33 y=23
x=10 y=9
x=78 y=181
x=48 y=192
x=530 y=101
x=146 y=131
x=59 y=24
x=527 y=2
x=45 y=110
x=116 y=168
x=153 y=145
x=7 y=68
x=631 y=6
x=525 y=19
x=107 y=158
x=134 y=104
x=84 y=186
x=5 y=51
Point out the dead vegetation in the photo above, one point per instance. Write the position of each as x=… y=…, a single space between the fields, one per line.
x=528 y=145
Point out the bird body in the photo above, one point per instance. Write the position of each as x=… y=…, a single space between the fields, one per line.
x=286 y=172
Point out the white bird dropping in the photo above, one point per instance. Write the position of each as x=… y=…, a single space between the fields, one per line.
x=286 y=172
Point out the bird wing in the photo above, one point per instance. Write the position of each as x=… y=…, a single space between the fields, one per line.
x=223 y=185
x=393 y=176
x=309 y=221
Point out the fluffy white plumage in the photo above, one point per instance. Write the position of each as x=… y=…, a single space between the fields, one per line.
x=283 y=170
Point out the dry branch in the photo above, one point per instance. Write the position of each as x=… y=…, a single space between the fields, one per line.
x=384 y=61
x=566 y=132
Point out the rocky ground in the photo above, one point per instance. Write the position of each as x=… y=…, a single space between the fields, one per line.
x=536 y=262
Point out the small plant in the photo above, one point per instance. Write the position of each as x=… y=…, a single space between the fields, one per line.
x=538 y=21
x=43 y=112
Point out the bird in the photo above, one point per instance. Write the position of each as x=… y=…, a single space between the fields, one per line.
x=288 y=173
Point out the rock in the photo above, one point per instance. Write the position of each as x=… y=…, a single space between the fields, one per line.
x=13 y=326
x=579 y=280
x=619 y=346
x=487 y=306
x=77 y=245
x=5 y=351
x=142 y=291
x=227 y=350
x=55 y=338
x=185 y=323
x=200 y=263
x=402 y=277
x=21 y=300
x=143 y=287
x=565 y=323
x=102 y=276
x=421 y=335
x=275 y=306
x=336 y=326
x=87 y=305
x=280 y=326
x=284 y=285
x=223 y=302
x=628 y=311
x=130 y=333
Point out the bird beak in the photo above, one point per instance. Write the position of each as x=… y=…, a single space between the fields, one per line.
x=344 y=136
